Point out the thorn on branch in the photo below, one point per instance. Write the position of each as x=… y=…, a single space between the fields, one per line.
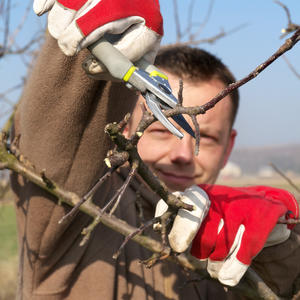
x=50 y=185
x=116 y=159
x=156 y=257
x=88 y=230
x=146 y=120
x=124 y=122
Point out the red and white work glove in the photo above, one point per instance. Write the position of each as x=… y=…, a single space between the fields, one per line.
x=78 y=23
x=186 y=223
x=239 y=223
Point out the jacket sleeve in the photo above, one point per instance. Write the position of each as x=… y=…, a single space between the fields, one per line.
x=279 y=265
x=60 y=121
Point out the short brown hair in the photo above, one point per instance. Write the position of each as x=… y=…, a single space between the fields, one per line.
x=197 y=64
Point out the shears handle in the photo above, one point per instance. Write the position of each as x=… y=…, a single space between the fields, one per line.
x=117 y=64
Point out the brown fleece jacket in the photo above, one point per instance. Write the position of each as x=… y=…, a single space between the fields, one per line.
x=61 y=121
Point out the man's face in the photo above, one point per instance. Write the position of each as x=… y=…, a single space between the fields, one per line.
x=172 y=159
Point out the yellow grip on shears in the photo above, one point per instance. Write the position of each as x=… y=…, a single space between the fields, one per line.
x=156 y=73
x=129 y=73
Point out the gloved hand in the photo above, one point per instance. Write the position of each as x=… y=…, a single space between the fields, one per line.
x=238 y=225
x=79 y=23
x=186 y=223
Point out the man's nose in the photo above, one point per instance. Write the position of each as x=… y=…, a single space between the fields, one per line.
x=182 y=151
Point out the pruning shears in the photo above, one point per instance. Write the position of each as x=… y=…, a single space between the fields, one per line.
x=149 y=80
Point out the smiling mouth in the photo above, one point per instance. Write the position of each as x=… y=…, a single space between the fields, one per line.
x=176 y=178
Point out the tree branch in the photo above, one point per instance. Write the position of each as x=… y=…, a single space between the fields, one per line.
x=123 y=228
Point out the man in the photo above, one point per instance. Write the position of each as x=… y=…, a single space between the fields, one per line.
x=172 y=159
x=60 y=122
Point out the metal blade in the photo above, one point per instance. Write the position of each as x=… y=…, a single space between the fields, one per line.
x=156 y=110
x=181 y=121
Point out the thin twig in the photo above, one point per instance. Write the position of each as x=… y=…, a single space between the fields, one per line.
x=288 y=221
x=180 y=92
x=209 y=40
x=206 y=19
x=291 y=27
x=197 y=134
x=177 y=21
x=286 y=10
x=7 y=23
x=190 y=17
x=288 y=45
x=285 y=177
x=129 y=237
x=124 y=186
x=292 y=68
x=88 y=230
x=87 y=196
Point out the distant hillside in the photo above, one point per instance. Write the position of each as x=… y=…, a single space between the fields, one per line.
x=251 y=160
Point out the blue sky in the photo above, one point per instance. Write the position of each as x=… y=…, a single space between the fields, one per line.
x=270 y=104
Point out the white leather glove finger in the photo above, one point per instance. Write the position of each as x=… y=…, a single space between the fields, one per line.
x=60 y=18
x=186 y=223
x=42 y=6
x=231 y=270
x=78 y=24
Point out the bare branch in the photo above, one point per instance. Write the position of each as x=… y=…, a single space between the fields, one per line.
x=197 y=134
x=87 y=196
x=285 y=177
x=209 y=40
x=291 y=67
x=190 y=17
x=288 y=221
x=288 y=45
x=120 y=226
x=124 y=186
x=286 y=10
x=140 y=230
x=203 y=24
x=154 y=183
x=177 y=21
x=180 y=93
x=17 y=30
x=291 y=27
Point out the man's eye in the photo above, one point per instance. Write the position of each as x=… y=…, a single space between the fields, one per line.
x=160 y=131
x=208 y=138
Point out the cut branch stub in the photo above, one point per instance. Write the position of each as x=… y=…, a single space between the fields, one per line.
x=116 y=159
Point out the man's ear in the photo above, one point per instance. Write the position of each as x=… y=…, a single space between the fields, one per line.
x=230 y=145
